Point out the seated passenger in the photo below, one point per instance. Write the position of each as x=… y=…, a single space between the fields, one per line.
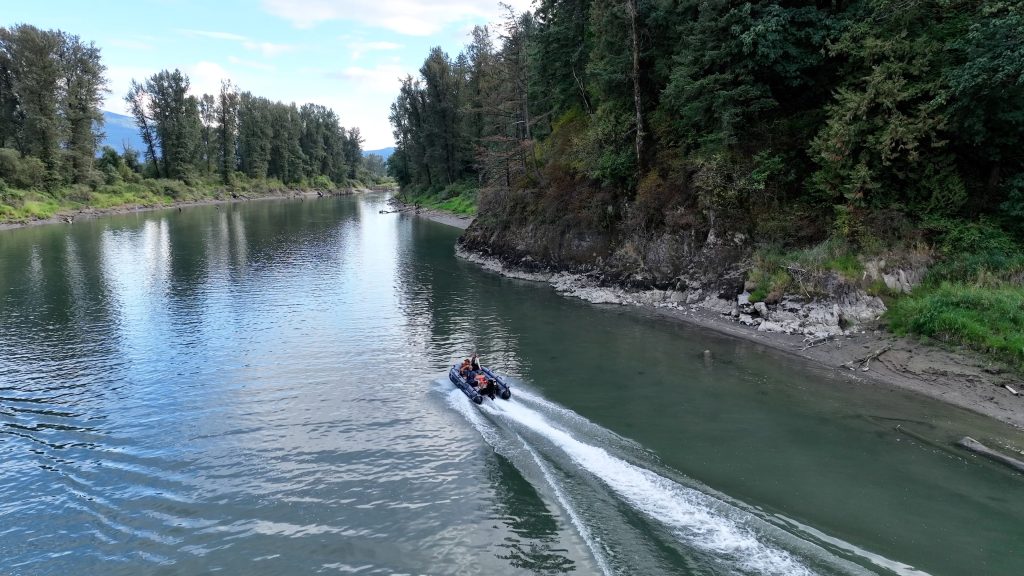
x=465 y=368
x=485 y=385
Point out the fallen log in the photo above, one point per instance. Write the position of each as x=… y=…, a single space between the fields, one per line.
x=865 y=361
x=972 y=445
x=812 y=342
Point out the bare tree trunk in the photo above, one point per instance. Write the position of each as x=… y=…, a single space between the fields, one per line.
x=634 y=36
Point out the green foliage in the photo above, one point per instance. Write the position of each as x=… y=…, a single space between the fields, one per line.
x=986 y=319
x=23 y=172
x=977 y=253
x=775 y=271
x=457 y=198
x=51 y=85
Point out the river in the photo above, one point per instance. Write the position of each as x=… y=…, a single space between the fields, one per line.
x=261 y=388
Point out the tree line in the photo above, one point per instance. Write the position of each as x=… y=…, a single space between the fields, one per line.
x=789 y=119
x=234 y=132
x=52 y=85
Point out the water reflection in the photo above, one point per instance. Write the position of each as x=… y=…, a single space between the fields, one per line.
x=262 y=384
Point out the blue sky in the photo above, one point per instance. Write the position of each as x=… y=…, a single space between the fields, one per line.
x=344 y=54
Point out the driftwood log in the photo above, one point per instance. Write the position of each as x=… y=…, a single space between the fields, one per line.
x=865 y=362
x=972 y=445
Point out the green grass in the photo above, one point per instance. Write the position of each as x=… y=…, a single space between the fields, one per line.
x=777 y=271
x=458 y=205
x=973 y=294
x=458 y=198
x=987 y=319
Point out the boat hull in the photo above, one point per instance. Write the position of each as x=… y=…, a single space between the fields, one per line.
x=503 y=391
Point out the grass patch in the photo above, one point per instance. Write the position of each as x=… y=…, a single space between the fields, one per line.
x=458 y=198
x=987 y=319
x=775 y=271
x=973 y=295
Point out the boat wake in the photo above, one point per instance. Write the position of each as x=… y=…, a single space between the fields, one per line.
x=635 y=516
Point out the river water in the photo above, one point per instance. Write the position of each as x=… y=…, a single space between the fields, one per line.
x=261 y=388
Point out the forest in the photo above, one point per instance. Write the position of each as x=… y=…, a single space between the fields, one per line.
x=662 y=140
x=51 y=86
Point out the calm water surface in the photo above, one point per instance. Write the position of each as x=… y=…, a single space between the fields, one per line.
x=260 y=389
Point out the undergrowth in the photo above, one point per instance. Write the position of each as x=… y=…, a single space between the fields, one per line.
x=18 y=205
x=775 y=271
x=458 y=198
x=973 y=295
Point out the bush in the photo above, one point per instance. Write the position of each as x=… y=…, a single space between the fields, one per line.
x=10 y=162
x=322 y=182
x=26 y=173
x=976 y=253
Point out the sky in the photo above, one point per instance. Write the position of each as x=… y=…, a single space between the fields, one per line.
x=344 y=54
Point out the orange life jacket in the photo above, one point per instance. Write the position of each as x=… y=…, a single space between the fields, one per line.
x=481 y=380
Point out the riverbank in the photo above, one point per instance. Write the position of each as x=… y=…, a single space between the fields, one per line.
x=867 y=353
x=461 y=221
x=90 y=212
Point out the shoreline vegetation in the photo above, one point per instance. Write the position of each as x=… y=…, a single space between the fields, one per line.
x=956 y=376
x=71 y=211
x=810 y=170
x=195 y=147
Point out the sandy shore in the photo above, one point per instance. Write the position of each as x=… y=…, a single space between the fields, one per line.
x=958 y=377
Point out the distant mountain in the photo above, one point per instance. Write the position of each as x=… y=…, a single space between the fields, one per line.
x=120 y=131
x=385 y=152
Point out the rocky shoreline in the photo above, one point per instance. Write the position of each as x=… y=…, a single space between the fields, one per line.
x=813 y=330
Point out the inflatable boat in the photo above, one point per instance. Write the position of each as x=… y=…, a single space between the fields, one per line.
x=501 y=389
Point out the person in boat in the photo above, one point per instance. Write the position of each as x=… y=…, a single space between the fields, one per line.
x=475 y=362
x=465 y=369
x=484 y=385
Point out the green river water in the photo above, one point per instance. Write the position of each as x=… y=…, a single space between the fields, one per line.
x=261 y=388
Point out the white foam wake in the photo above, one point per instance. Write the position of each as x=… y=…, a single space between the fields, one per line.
x=457 y=400
x=697 y=519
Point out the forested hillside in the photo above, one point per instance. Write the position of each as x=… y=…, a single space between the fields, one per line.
x=790 y=144
x=51 y=86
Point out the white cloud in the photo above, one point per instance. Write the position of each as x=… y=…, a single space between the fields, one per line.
x=384 y=78
x=250 y=63
x=204 y=77
x=268 y=49
x=213 y=34
x=408 y=17
x=120 y=79
x=360 y=48
x=368 y=112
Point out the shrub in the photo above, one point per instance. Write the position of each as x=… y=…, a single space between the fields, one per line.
x=322 y=182
x=10 y=162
